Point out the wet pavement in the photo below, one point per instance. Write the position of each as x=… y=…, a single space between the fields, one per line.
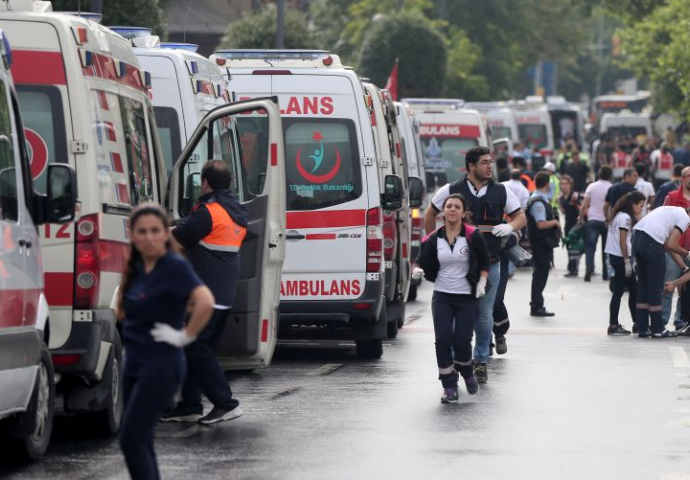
x=565 y=402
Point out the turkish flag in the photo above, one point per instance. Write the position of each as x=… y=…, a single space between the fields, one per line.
x=392 y=83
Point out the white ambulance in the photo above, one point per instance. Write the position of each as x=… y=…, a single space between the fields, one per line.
x=500 y=118
x=333 y=275
x=534 y=125
x=413 y=157
x=447 y=132
x=27 y=386
x=397 y=225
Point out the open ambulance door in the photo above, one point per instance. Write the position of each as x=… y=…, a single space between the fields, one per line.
x=249 y=137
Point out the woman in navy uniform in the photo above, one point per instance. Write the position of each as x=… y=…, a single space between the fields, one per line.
x=158 y=289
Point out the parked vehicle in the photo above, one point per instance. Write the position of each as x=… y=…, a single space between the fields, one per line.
x=27 y=379
x=534 y=125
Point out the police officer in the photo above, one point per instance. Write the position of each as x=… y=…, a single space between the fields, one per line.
x=489 y=202
x=544 y=232
x=212 y=236
x=663 y=226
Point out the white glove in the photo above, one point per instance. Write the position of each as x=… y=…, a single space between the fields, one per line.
x=481 y=287
x=417 y=273
x=628 y=269
x=162 y=332
x=503 y=230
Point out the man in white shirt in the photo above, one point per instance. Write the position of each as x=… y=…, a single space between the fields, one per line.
x=515 y=185
x=643 y=186
x=593 y=210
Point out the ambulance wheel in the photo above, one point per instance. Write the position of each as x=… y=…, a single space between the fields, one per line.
x=392 y=329
x=412 y=294
x=371 y=349
x=395 y=313
x=108 y=420
x=35 y=426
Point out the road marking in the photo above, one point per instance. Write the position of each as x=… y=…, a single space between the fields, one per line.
x=326 y=369
x=413 y=318
x=284 y=393
x=680 y=358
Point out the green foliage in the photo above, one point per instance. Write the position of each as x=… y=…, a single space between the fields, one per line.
x=259 y=31
x=630 y=11
x=135 y=13
x=463 y=58
x=329 y=18
x=421 y=51
x=657 y=47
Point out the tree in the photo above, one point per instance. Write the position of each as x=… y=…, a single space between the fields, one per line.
x=134 y=13
x=258 y=30
x=421 y=50
x=462 y=81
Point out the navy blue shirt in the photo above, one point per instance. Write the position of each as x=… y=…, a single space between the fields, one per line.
x=160 y=296
x=617 y=191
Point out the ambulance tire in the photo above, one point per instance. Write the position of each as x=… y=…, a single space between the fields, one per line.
x=34 y=427
x=412 y=294
x=395 y=313
x=371 y=349
x=392 y=329
x=107 y=422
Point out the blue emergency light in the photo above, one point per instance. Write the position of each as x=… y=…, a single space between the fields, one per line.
x=94 y=17
x=5 y=50
x=189 y=47
x=250 y=54
x=132 y=32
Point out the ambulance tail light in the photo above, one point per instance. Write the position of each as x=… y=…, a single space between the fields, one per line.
x=81 y=35
x=87 y=268
x=417 y=224
x=328 y=61
x=66 y=360
x=221 y=61
x=389 y=235
x=374 y=239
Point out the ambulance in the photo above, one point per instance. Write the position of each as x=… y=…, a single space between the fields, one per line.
x=185 y=87
x=500 y=118
x=448 y=131
x=397 y=225
x=27 y=379
x=567 y=119
x=534 y=126
x=334 y=272
x=414 y=159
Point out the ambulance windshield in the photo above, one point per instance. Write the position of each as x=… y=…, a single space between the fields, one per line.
x=322 y=163
x=620 y=132
x=445 y=156
x=168 y=126
x=500 y=132
x=534 y=135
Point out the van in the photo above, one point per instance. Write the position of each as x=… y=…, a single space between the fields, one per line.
x=334 y=272
x=500 y=118
x=413 y=157
x=567 y=120
x=534 y=126
x=185 y=88
x=27 y=379
x=447 y=132
x=625 y=124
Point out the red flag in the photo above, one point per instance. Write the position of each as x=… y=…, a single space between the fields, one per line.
x=392 y=83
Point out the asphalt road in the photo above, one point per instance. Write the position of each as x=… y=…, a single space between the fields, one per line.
x=565 y=402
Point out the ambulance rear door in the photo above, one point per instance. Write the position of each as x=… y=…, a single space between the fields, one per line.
x=327 y=188
x=249 y=336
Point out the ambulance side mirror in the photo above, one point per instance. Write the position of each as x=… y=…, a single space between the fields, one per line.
x=416 y=188
x=61 y=198
x=392 y=198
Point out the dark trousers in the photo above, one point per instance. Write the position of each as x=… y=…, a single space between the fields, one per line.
x=650 y=259
x=204 y=373
x=145 y=399
x=620 y=281
x=501 y=321
x=685 y=304
x=542 y=257
x=593 y=230
x=454 y=319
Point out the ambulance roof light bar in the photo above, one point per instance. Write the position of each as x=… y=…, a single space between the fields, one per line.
x=189 y=47
x=258 y=54
x=444 y=103
x=138 y=36
x=35 y=6
x=94 y=17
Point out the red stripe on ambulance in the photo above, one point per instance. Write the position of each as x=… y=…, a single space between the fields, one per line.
x=59 y=288
x=38 y=68
x=327 y=219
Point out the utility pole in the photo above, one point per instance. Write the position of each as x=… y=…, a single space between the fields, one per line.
x=600 y=67
x=280 y=31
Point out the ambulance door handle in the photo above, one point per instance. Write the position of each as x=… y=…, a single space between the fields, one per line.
x=24 y=243
x=295 y=236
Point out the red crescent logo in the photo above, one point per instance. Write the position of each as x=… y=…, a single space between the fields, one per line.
x=38 y=157
x=318 y=178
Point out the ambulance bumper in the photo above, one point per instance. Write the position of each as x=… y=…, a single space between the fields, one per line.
x=342 y=312
x=79 y=355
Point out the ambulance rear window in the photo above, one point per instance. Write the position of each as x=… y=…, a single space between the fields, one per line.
x=44 y=125
x=168 y=125
x=623 y=132
x=535 y=135
x=322 y=163
x=445 y=156
x=500 y=132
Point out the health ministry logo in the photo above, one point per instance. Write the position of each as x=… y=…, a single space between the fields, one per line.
x=318 y=158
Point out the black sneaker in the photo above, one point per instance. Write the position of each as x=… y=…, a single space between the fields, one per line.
x=481 y=372
x=588 y=276
x=664 y=334
x=617 y=329
x=181 y=414
x=501 y=345
x=570 y=275
x=645 y=333
x=450 y=395
x=219 y=415
x=634 y=330
x=684 y=332
x=472 y=385
x=542 y=312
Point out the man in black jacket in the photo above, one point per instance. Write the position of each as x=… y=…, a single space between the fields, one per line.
x=544 y=232
x=211 y=236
